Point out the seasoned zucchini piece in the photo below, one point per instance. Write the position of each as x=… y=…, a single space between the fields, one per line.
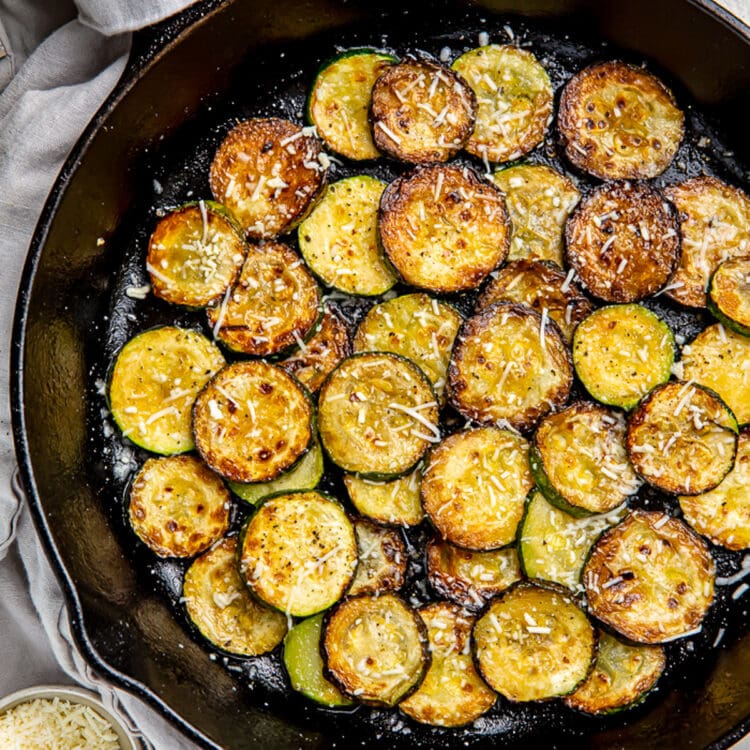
x=534 y=643
x=421 y=112
x=470 y=578
x=382 y=559
x=377 y=415
x=222 y=609
x=195 y=254
x=650 y=578
x=375 y=648
x=509 y=365
x=729 y=294
x=339 y=103
x=539 y=201
x=720 y=360
x=682 y=438
x=178 y=507
x=304 y=475
x=715 y=225
x=622 y=677
x=621 y=352
x=579 y=461
x=618 y=121
x=452 y=694
x=541 y=286
x=319 y=356
x=723 y=514
x=273 y=306
x=252 y=422
x=395 y=502
x=154 y=382
x=268 y=172
x=339 y=239
x=474 y=487
x=623 y=241
x=554 y=545
x=304 y=664
x=298 y=553
x=443 y=228
x=415 y=326
x=514 y=95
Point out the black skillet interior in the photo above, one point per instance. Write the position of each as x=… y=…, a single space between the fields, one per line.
x=149 y=149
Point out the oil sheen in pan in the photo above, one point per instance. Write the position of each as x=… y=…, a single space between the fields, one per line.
x=276 y=82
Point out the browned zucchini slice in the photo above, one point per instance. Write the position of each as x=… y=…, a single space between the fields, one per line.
x=154 y=382
x=534 y=643
x=178 y=507
x=416 y=326
x=195 y=254
x=452 y=694
x=541 y=286
x=298 y=553
x=514 y=96
x=729 y=294
x=375 y=648
x=395 y=502
x=382 y=559
x=619 y=121
x=474 y=487
x=510 y=365
x=268 y=172
x=222 y=609
x=723 y=514
x=623 y=241
x=273 y=306
x=252 y=422
x=650 y=578
x=421 y=111
x=377 y=415
x=467 y=577
x=443 y=228
x=622 y=677
x=682 y=438
x=715 y=225
x=579 y=461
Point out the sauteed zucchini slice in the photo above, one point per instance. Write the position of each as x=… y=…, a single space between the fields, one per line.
x=222 y=609
x=714 y=225
x=395 y=502
x=382 y=559
x=252 y=422
x=273 y=306
x=443 y=228
x=623 y=241
x=514 y=97
x=541 y=286
x=154 y=382
x=268 y=172
x=298 y=552
x=421 y=112
x=452 y=694
x=467 y=577
x=729 y=294
x=377 y=415
x=178 y=507
x=618 y=121
x=682 y=438
x=622 y=677
x=339 y=238
x=339 y=103
x=375 y=648
x=650 y=578
x=534 y=642
x=474 y=487
x=195 y=254
x=621 y=352
x=510 y=365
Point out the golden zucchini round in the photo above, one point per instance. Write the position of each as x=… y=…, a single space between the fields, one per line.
x=729 y=294
x=382 y=559
x=391 y=502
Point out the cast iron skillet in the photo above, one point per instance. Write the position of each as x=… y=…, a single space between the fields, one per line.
x=180 y=72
